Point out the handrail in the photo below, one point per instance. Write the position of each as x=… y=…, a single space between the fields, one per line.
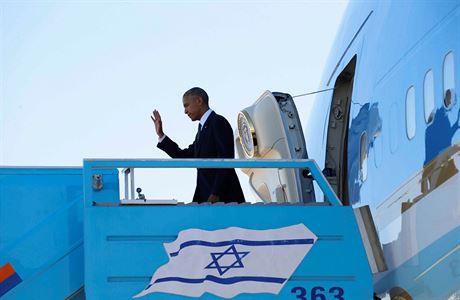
x=311 y=165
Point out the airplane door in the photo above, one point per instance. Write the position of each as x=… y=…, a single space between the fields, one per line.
x=271 y=129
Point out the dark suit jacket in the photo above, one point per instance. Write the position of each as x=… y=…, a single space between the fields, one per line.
x=215 y=141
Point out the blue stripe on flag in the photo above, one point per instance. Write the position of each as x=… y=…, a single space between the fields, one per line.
x=242 y=242
x=9 y=283
x=229 y=280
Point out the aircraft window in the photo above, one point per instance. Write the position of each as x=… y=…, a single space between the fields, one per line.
x=428 y=96
x=449 y=80
x=410 y=112
x=363 y=157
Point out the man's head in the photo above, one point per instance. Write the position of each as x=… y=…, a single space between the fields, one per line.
x=195 y=102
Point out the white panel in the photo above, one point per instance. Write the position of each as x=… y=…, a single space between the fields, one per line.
x=272 y=185
x=449 y=78
x=410 y=113
x=428 y=96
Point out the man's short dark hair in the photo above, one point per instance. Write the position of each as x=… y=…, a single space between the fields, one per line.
x=197 y=92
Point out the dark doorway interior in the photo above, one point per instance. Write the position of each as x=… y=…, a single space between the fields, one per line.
x=337 y=136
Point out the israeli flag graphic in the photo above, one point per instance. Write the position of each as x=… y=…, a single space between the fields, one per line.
x=231 y=261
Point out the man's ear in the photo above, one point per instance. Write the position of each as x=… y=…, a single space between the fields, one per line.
x=199 y=100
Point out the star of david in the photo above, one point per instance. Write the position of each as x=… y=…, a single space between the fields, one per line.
x=216 y=256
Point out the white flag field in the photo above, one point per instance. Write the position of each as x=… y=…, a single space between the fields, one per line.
x=231 y=261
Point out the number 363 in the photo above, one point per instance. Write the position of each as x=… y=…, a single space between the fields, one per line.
x=318 y=293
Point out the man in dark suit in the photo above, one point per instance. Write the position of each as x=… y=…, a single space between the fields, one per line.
x=214 y=139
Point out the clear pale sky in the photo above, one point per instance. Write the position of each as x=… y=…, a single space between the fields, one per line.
x=79 y=79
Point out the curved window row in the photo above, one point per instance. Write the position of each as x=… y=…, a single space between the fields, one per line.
x=429 y=103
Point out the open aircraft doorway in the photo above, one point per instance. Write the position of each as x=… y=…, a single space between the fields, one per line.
x=337 y=138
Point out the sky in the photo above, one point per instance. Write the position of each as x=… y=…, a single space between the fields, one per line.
x=79 y=79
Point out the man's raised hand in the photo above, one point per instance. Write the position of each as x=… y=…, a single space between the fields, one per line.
x=156 y=118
